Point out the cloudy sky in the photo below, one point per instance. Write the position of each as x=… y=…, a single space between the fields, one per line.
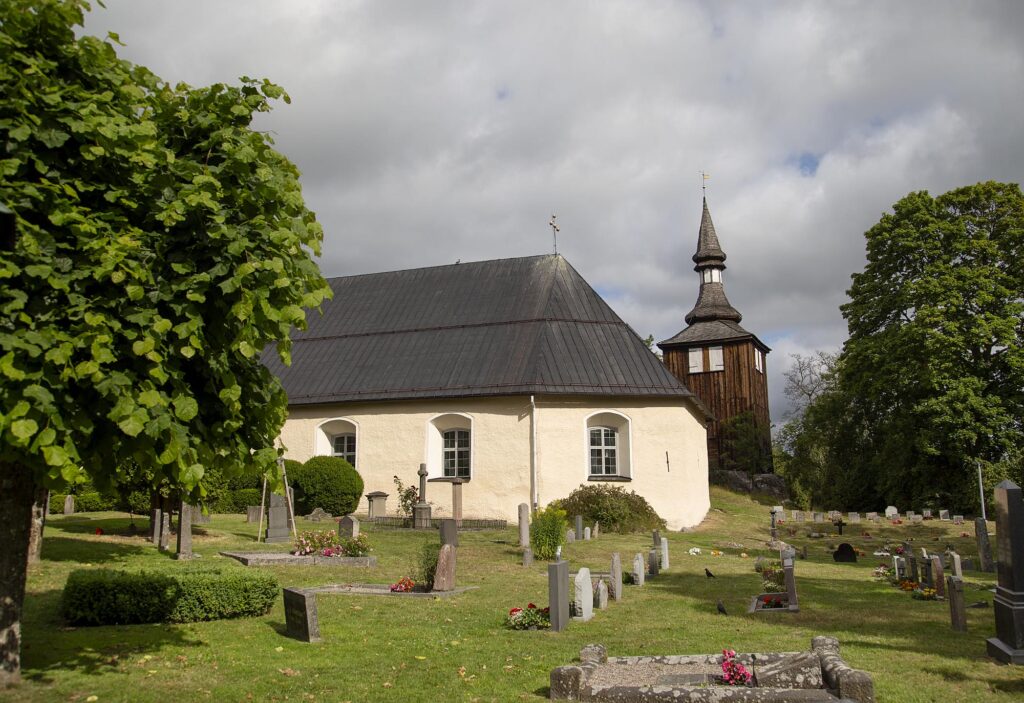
x=428 y=132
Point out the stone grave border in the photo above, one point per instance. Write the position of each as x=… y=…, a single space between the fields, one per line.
x=286 y=559
x=381 y=589
x=406 y=523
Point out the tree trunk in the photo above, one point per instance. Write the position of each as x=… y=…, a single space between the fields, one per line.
x=17 y=494
x=35 y=538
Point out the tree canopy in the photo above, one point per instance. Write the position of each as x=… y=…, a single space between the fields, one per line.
x=931 y=379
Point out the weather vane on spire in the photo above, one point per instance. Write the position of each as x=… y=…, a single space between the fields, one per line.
x=554 y=232
x=704 y=182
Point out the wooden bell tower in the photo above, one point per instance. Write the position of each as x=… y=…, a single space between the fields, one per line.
x=723 y=364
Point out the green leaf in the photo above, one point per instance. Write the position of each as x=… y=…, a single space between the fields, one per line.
x=55 y=455
x=134 y=423
x=143 y=346
x=246 y=349
x=24 y=429
x=185 y=407
x=8 y=369
x=151 y=398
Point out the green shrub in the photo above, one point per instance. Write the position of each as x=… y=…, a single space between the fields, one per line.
x=93 y=502
x=57 y=503
x=547 y=531
x=327 y=482
x=616 y=510
x=107 y=597
x=236 y=501
x=137 y=502
x=427 y=566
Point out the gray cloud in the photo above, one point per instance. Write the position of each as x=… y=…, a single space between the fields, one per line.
x=430 y=132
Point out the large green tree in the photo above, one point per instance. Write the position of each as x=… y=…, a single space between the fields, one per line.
x=931 y=379
x=155 y=245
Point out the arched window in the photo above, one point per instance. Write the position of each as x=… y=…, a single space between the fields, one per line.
x=345 y=447
x=608 y=446
x=455 y=453
x=337 y=437
x=449 y=449
x=604 y=449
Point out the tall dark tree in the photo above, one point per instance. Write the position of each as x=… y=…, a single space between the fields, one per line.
x=158 y=245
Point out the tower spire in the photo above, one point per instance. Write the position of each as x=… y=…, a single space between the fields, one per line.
x=710 y=263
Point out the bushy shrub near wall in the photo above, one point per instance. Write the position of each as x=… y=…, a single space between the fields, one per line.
x=613 y=507
x=547 y=531
x=107 y=597
x=327 y=482
x=236 y=501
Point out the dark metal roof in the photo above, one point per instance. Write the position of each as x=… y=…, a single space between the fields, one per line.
x=505 y=327
x=702 y=333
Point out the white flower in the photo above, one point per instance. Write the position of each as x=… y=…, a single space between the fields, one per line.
x=694 y=551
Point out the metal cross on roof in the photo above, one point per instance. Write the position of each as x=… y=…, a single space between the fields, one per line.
x=554 y=232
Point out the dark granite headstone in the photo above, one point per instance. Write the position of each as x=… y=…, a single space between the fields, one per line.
x=1008 y=644
x=558 y=595
x=926 y=574
x=579 y=527
x=449 y=533
x=984 y=547
x=653 y=563
x=348 y=527
x=845 y=553
x=277 y=520
x=938 y=576
x=300 y=615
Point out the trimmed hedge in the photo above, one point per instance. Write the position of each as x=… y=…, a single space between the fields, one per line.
x=106 y=597
x=91 y=502
x=236 y=501
x=616 y=510
x=326 y=482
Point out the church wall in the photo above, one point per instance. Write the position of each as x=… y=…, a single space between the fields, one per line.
x=393 y=438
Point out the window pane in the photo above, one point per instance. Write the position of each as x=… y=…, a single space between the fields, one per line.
x=696 y=359
x=715 y=358
x=595 y=437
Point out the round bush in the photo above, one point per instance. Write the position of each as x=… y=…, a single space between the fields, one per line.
x=616 y=510
x=547 y=531
x=326 y=482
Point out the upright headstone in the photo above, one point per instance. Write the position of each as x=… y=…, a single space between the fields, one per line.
x=421 y=510
x=616 y=572
x=958 y=570
x=601 y=595
x=597 y=529
x=348 y=527
x=69 y=505
x=917 y=519
x=873 y=517
x=457 y=500
x=854 y=517
x=926 y=574
x=558 y=595
x=524 y=525
x=984 y=548
x=449 y=532
x=156 y=521
x=444 y=576
x=943 y=514
x=528 y=557
x=955 y=595
x=788 y=566
x=201 y=518
x=570 y=536
x=899 y=565
x=252 y=513
x=652 y=562
x=300 y=615
x=579 y=526
x=656 y=538
x=184 y=550
x=584 y=596
x=378 y=504
x=891 y=512
x=912 y=572
x=664 y=553
x=819 y=517
x=927 y=513
x=1008 y=644
x=772 y=527
x=277 y=520
x=958 y=519
x=938 y=576
x=925 y=556
x=639 y=569
x=165 y=531
x=586 y=534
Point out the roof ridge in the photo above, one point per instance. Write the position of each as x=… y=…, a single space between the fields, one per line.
x=441 y=266
x=468 y=325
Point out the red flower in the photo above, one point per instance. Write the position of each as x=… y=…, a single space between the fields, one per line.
x=531 y=606
x=515 y=611
x=99 y=530
x=546 y=611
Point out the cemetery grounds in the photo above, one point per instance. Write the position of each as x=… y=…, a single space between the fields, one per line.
x=393 y=648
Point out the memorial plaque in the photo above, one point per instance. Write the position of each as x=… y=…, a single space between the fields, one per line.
x=300 y=615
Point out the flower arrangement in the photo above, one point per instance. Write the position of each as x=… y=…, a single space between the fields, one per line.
x=715 y=553
x=772 y=601
x=693 y=551
x=404 y=585
x=882 y=572
x=529 y=618
x=99 y=530
x=329 y=544
x=743 y=555
x=897 y=521
x=924 y=594
x=908 y=585
x=734 y=673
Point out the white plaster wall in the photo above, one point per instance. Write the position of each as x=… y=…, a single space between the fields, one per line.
x=393 y=438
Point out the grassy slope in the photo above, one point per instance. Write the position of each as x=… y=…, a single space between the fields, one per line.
x=382 y=648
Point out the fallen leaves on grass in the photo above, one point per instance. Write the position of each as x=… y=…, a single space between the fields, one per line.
x=289 y=672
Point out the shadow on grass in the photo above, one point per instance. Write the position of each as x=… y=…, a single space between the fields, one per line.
x=87 y=551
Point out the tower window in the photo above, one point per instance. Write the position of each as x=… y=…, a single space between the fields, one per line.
x=759 y=360
x=715 y=359
x=696 y=357
x=712 y=275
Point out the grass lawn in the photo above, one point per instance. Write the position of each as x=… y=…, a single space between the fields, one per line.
x=388 y=648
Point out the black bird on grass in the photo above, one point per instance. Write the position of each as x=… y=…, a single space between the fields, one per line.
x=721 y=607
x=707 y=572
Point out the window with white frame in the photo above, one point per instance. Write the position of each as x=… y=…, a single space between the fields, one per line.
x=712 y=275
x=696 y=357
x=345 y=447
x=455 y=453
x=758 y=360
x=715 y=360
x=604 y=448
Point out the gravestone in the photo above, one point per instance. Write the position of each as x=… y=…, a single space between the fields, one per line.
x=926 y=573
x=444 y=576
x=252 y=513
x=854 y=517
x=457 y=500
x=652 y=562
x=639 y=569
x=984 y=548
x=955 y=595
x=378 y=504
x=524 y=525
x=927 y=513
x=912 y=572
x=558 y=595
x=873 y=517
x=968 y=564
x=899 y=565
x=570 y=536
x=943 y=514
x=449 y=532
x=664 y=553
x=300 y=616
x=788 y=566
x=69 y=505
x=201 y=518
x=819 y=517
x=584 y=595
x=797 y=515
x=579 y=525
x=772 y=528
x=319 y=515
x=597 y=529
x=1008 y=644
x=924 y=554
x=845 y=553
x=910 y=514
x=184 y=550
x=803 y=552
x=958 y=570
x=917 y=519
x=348 y=527
x=156 y=522
x=421 y=510
x=656 y=538
x=616 y=572
x=586 y=534
x=891 y=512
x=601 y=595
x=840 y=525
x=938 y=576
x=165 y=531
x=277 y=520
x=958 y=519
x=528 y=557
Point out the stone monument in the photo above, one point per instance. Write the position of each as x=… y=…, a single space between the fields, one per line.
x=348 y=527
x=984 y=548
x=277 y=520
x=184 y=550
x=300 y=615
x=444 y=576
x=1008 y=644
x=584 y=596
x=378 y=503
x=558 y=595
x=616 y=577
x=524 y=525
x=421 y=511
x=449 y=532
